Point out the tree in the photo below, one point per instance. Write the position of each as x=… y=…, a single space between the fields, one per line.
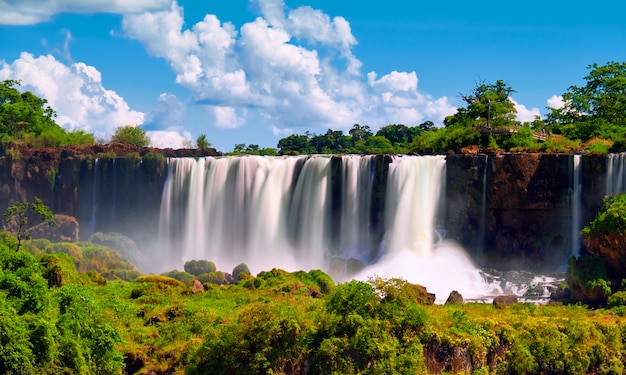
x=360 y=132
x=131 y=135
x=427 y=125
x=488 y=104
x=296 y=143
x=202 y=142
x=23 y=113
x=603 y=97
x=399 y=134
x=20 y=217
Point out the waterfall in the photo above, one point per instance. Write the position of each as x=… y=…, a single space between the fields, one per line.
x=575 y=204
x=295 y=212
x=413 y=198
x=615 y=173
x=483 y=211
x=312 y=212
x=94 y=197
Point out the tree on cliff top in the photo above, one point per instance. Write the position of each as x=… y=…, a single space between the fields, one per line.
x=131 y=135
x=487 y=104
x=22 y=113
x=603 y=97
x=597 y=109
x=26 y=118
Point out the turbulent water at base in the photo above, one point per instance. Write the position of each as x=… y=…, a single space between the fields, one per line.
x=346 y=215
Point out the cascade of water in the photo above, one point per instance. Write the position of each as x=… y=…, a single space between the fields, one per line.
x=96 y=194
x=355 y=206
x=413 y=197
x=575 y=204
x=299 y=213
x=615 y=173
x=483 y=211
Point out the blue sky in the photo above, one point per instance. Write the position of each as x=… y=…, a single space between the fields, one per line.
x=254 y=71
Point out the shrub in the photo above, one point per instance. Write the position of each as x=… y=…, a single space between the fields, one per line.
x=217 y=278
x=164 y=280
x=611 y=218
x=617 y=299
x=184 y=277
x=198 y=267
x=240 y=271
x=131 y=135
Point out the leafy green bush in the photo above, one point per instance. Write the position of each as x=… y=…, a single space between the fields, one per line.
x=587 y=279
x=240 y=271
x=216 y=278
x=131 y=135
x=198 y=267
x=184 y=277
x=611 y=218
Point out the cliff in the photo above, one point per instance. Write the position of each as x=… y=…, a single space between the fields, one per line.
x=508 y=210
x=517 y=210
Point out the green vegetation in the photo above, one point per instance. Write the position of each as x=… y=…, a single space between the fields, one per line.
x=593 y=120
x=69 y=308
x=20 y=217
x=611 y=218
x=26 y=118
x=131 y=135
x=202 y=142
x=83 y=308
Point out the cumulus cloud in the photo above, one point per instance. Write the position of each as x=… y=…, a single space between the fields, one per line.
x=292 y=68
x=524 y=114
x=170 y=112
x=76 y=93
x=28 y=12
x=175 y=138
x=556 y=101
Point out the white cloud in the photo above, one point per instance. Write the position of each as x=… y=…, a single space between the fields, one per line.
x=524 y=114
x=556 y=102
x=28 y=12
x=170 y=112
x=75 y=92
x=293 y=68
x=174 y=138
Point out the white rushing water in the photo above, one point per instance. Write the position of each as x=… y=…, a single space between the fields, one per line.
x=615 y=168
x=575 y=205
x=296 y=213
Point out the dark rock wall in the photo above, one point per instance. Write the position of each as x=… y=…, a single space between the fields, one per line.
x=507 y=210
x=515 y=210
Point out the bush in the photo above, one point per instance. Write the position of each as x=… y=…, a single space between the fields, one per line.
x=184 y=277
x=217 y=278
x=131 y=135
x=611 y=218
x=240 y=271
x=198 y=267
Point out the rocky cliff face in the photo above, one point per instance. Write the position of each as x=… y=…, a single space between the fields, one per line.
x=507 y=210
x=516 y=210
x=114 y=186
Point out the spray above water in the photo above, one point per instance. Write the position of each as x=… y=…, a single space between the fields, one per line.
x=300 y=213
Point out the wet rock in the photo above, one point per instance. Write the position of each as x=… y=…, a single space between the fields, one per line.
x=454 y=298
x=504 y=301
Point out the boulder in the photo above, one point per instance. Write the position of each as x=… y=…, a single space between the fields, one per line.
x=65 y=230
x=454 y=298
x=504 y=301
x=197 y=287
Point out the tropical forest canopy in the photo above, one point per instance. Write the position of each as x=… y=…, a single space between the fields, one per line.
x=592 y=119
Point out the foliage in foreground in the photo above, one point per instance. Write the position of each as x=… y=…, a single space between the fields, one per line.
x=58 y=315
